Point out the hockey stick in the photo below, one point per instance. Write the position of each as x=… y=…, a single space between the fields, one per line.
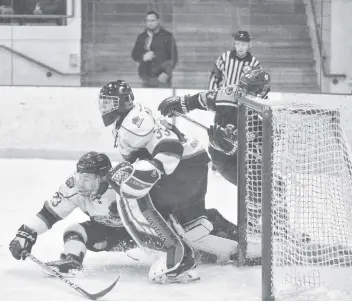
x=257 y=156
x=201 y=125
x=70 y=283
x=189 y=119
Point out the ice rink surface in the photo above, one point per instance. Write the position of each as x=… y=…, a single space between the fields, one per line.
x=27 y=183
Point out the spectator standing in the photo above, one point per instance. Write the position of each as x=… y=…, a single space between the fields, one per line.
x=232 y=64
x=6 y=8
x=156 y=52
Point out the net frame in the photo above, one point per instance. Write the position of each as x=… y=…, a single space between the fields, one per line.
x=264 y=108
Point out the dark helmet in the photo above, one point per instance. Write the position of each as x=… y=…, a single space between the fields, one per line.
x=242 y=35
x=91 y=169
x=94 y=163
x=115 y=101
x=256 y=82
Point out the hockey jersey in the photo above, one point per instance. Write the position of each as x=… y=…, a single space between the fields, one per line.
x=225 y=104
x=164 y=145
x=102 y=210
x=211 y=100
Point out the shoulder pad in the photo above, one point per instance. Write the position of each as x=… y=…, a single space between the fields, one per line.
x=139 y=122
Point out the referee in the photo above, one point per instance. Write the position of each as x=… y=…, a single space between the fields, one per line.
x=227 y=70
x=232 y=64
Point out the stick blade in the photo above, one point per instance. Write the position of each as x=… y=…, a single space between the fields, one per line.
x=101 y=293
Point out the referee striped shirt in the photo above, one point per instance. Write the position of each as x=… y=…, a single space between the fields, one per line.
x=228 y=69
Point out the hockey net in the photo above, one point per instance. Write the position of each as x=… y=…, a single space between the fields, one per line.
x=295 y=197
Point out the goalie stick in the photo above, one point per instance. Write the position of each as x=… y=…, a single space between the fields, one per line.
x=70 y=283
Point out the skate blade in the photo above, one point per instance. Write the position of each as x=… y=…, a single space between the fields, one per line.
x=180 y=279
x=183 y=281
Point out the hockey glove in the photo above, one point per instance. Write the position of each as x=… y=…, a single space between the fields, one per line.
x=176 y=103
x=24 y=241
x=120 y=173
x=224 y=139
x=134 y=181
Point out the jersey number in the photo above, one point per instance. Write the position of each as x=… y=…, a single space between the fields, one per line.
x=160 y=132
x=56 y=200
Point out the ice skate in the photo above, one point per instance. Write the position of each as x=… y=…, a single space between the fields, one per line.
x=184 y=273
x=68 y=266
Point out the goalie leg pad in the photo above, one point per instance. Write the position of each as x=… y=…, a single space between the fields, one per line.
x=197 y=235
x=173 y=262
x=198 y=228
x=153 y=232
x=139 y=230
x=175 y=248
x=148 y=227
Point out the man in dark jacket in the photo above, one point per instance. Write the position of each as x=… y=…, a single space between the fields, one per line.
x=156 y=52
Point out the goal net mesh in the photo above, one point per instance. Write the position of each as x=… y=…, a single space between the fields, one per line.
x=311 y=199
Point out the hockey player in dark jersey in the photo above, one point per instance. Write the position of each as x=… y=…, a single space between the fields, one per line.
x=256 y=82
x=87 y=190
x=167 y=173
x=223 y=134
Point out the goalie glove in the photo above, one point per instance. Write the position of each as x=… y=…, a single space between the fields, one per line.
x=24 y=241
x=134 y=180
x=175 y=103
x=224 y=139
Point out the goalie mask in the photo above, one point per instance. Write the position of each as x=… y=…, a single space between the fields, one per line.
x=256 y=82
x=91 y=168
x=115 y=102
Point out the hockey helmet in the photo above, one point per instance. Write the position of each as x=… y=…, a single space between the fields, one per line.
x=115 y=101
x=242 y=35
x=91 y=168
x=256 y=82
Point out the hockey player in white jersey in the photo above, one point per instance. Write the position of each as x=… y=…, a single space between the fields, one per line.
x=87 y=190
x=167 y=173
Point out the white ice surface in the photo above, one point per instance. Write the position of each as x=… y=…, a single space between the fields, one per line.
x=26 y=184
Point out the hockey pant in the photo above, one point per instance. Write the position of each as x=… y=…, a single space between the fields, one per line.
x=226 y=165
x=96 y=237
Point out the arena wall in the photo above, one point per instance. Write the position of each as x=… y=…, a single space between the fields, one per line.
x=64 y=122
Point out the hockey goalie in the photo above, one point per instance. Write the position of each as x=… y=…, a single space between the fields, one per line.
x=166 y=173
